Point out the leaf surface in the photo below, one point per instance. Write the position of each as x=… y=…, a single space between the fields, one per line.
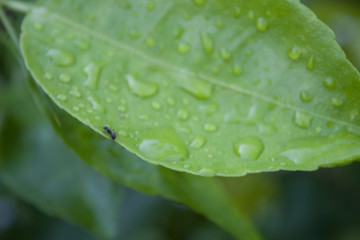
x=207 y=87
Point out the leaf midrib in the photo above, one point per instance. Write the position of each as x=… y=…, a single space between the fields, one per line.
x=38 y=11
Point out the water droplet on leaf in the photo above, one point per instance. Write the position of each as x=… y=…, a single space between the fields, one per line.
x=196 y=87
x=61 y=58
x=65 y=78
x=261 y=24
x=209 y=127
x=207 y=42
x=92 y=71
x=302 y=119
x=183 y=114
x=183 y=47
x=96 y=104
x=248 y=148
x=198 y=142
x=162 y=144
x=141 y=88
x=294 y=53
x=330 y=83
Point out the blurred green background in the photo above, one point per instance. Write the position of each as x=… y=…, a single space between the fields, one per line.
x=324 y=204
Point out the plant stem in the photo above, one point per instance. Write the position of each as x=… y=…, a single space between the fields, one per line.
x=9 y=28
x=17 y=6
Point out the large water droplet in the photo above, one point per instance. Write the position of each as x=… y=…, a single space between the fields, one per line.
x=248 y=148
x=310 y=63
x=150 y=41
x=330 y=83
x=183 y=47
x=92 y=71
x=198 y=142
x=196 y=87
x=209 y=109
x=251 y=14
x=61 y=97
x=207 y=42
x=305 y=96
x=237 y=69
x=294 y=53
x=48 y=76
x=140 y=88
x=261 y=24
x=302 y=119
x=162 y=144
x=75 y=92
x=225 y=54
x=150 y=6
x=238 y=12
x=61 y=58
x=199 y=2
x=336 y=102
x=183 y=114
x=209 y=127
x=96 y=105
x=156 y=105
x=65 y=78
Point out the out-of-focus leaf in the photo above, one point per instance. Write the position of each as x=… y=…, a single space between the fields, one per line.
x=37 y=166
x=207 y=87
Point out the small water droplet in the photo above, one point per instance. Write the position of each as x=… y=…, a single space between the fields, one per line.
x=75 y=92
x=61 y=97
x=38 y=26
x=330 y=83
x=61 y=58
x=113 y=88
x=75 y=108
x=302 y=119
x=218 y=23
x=96 y=105
x=135 y=34
x=123 y=133
x=144 y=117
x=150 y=41
x=261 y=24
x=294 y=53
x=310 y=63
x=170 y=101
x=185 y=101
x=251 y=14
x=156 y=105
x=150 y=6
x=198 y=142
x=225 y=54
x=199 y=2
x=179 y=32
x=48 y=76
x=82 y=44
x=207 y=172
x=336 y=102
x=162 y=144
x=209 y=109
x=141 y=88
x=92 y=71
x=248 y=148
x=183 y=47
x=237 y=69
x=207 y=42
x=305 y=96
x=196 y=87
x=238 y=12
x=122 y=108
x=65 y=78
x=233 y=117
x=183 y=114
x=209 y=127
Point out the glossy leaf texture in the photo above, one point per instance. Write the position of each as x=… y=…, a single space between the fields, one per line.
x=207 y=87
x=39 y=168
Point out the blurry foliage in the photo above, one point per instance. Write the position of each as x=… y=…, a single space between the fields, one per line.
x=284 y=205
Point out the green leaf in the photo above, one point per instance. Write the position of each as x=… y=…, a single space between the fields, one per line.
x=207 y=87
x=37 y=166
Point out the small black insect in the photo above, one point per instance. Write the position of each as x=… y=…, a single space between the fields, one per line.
x=112 y=134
